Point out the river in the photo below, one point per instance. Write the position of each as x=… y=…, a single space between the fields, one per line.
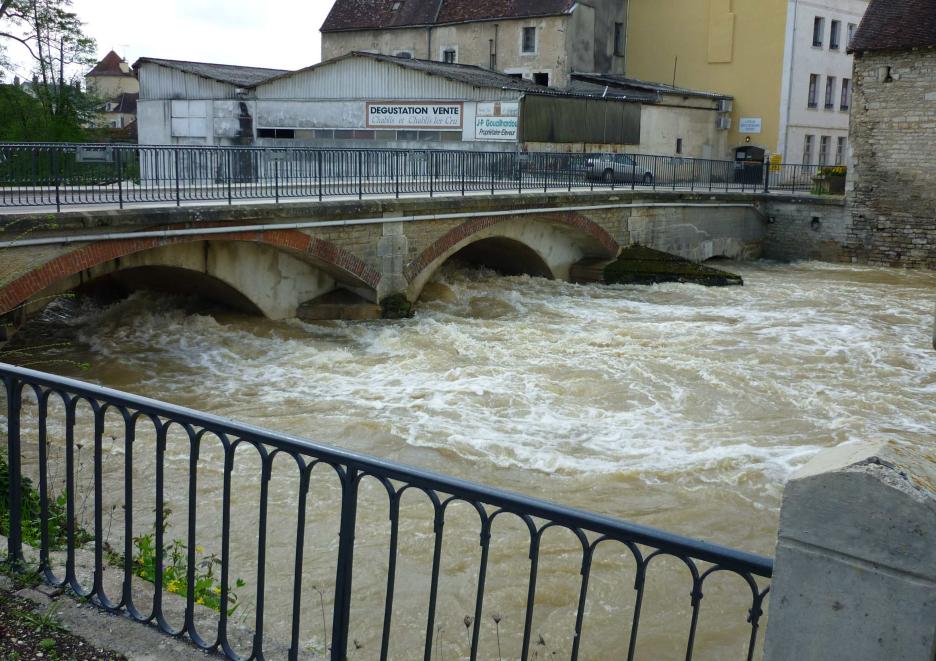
x=676 y=406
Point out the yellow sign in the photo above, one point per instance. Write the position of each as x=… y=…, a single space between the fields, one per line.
x=776 y=160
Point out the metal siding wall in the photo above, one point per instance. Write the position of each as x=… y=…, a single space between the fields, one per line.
x=159 y=82
x=369 y=79
x=592 y=121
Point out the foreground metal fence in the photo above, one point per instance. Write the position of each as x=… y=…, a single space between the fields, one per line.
x=72 y=174
x=644 y=545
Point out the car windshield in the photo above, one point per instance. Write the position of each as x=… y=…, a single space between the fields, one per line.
x=624 y=160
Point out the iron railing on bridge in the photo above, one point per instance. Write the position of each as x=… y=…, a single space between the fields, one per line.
x=73 y=174
x=40 y=405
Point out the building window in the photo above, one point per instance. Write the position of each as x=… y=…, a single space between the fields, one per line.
x=528 y=44
x=679 y=145
x=280 y=134
x=449 y=56
x=850 y=34
x=817 y=31
x=813 y=90
x=840 y=150
x=846 y=94
x=619 y=39
x=830 y=92
x=823 y=150
x=834 y=33
x=807 y=149
x=541 y=79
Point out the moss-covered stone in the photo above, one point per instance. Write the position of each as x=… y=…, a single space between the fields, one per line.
x=396 y=306
x=638 y=265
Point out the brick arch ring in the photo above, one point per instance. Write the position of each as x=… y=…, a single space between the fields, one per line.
x=588 y=228
x=323 y=254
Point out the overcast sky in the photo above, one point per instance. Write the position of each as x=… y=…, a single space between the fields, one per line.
x=280 y=34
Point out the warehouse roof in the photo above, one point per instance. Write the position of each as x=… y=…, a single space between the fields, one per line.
x=225 y=73
x=635 y=88
x=347 y=15
x=896 y=25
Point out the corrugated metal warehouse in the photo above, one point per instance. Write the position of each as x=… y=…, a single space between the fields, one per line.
x=368 y=100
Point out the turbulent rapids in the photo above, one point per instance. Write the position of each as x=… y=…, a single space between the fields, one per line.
x=676 y=406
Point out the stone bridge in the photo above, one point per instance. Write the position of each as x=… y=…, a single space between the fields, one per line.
x=319 y=259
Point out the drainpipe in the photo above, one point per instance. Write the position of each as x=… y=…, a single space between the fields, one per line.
x=789 y=91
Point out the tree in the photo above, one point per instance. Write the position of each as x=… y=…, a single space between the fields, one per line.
x=54 y=40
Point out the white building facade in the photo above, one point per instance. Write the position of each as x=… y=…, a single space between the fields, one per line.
x=817 y=81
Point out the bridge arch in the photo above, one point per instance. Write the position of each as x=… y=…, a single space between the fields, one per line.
x=545 y=245
x=272 y=271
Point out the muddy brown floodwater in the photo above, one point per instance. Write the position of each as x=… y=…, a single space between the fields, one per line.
x=674 y=406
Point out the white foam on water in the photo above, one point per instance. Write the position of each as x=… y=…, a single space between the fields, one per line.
x=716 y=384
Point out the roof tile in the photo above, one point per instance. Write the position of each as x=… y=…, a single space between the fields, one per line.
x=896 y=25
x=347 y=15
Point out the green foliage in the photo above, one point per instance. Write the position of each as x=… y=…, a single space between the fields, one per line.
x=207 y=587
x=31 y=508
x=54 y=108
x=44 y=621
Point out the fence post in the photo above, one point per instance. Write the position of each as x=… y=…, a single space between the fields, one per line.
x=431 y=170
x=319 y=160
x=767 y=173
x=55 y=169
x=229 y=176
x=519 y=173
x=343 y=576
x=119 y=178
x=276 y=180
x=463 y=158
x=491 y=154
x=14 y=404
x=178 y=198
x=360 y=174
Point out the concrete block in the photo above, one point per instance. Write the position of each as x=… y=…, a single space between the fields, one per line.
x=855 y=567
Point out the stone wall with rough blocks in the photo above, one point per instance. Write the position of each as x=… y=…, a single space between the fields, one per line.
x=893 y=175
x=807 y=229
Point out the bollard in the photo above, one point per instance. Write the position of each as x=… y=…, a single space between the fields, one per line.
x=855 y=567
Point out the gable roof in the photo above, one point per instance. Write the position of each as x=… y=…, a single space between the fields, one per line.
x=224 y=73
x=109 y=66
x=896 y=25
x=350 y=15
x=462 y=73
x=125 y=103
x=636 y=88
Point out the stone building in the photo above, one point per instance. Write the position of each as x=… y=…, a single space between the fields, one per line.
x=892 y=187
x=539 y=40
x=113 y=82
x=111 y=77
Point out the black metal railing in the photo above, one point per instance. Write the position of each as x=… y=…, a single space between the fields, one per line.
x=74 y=174
x=37 y=402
